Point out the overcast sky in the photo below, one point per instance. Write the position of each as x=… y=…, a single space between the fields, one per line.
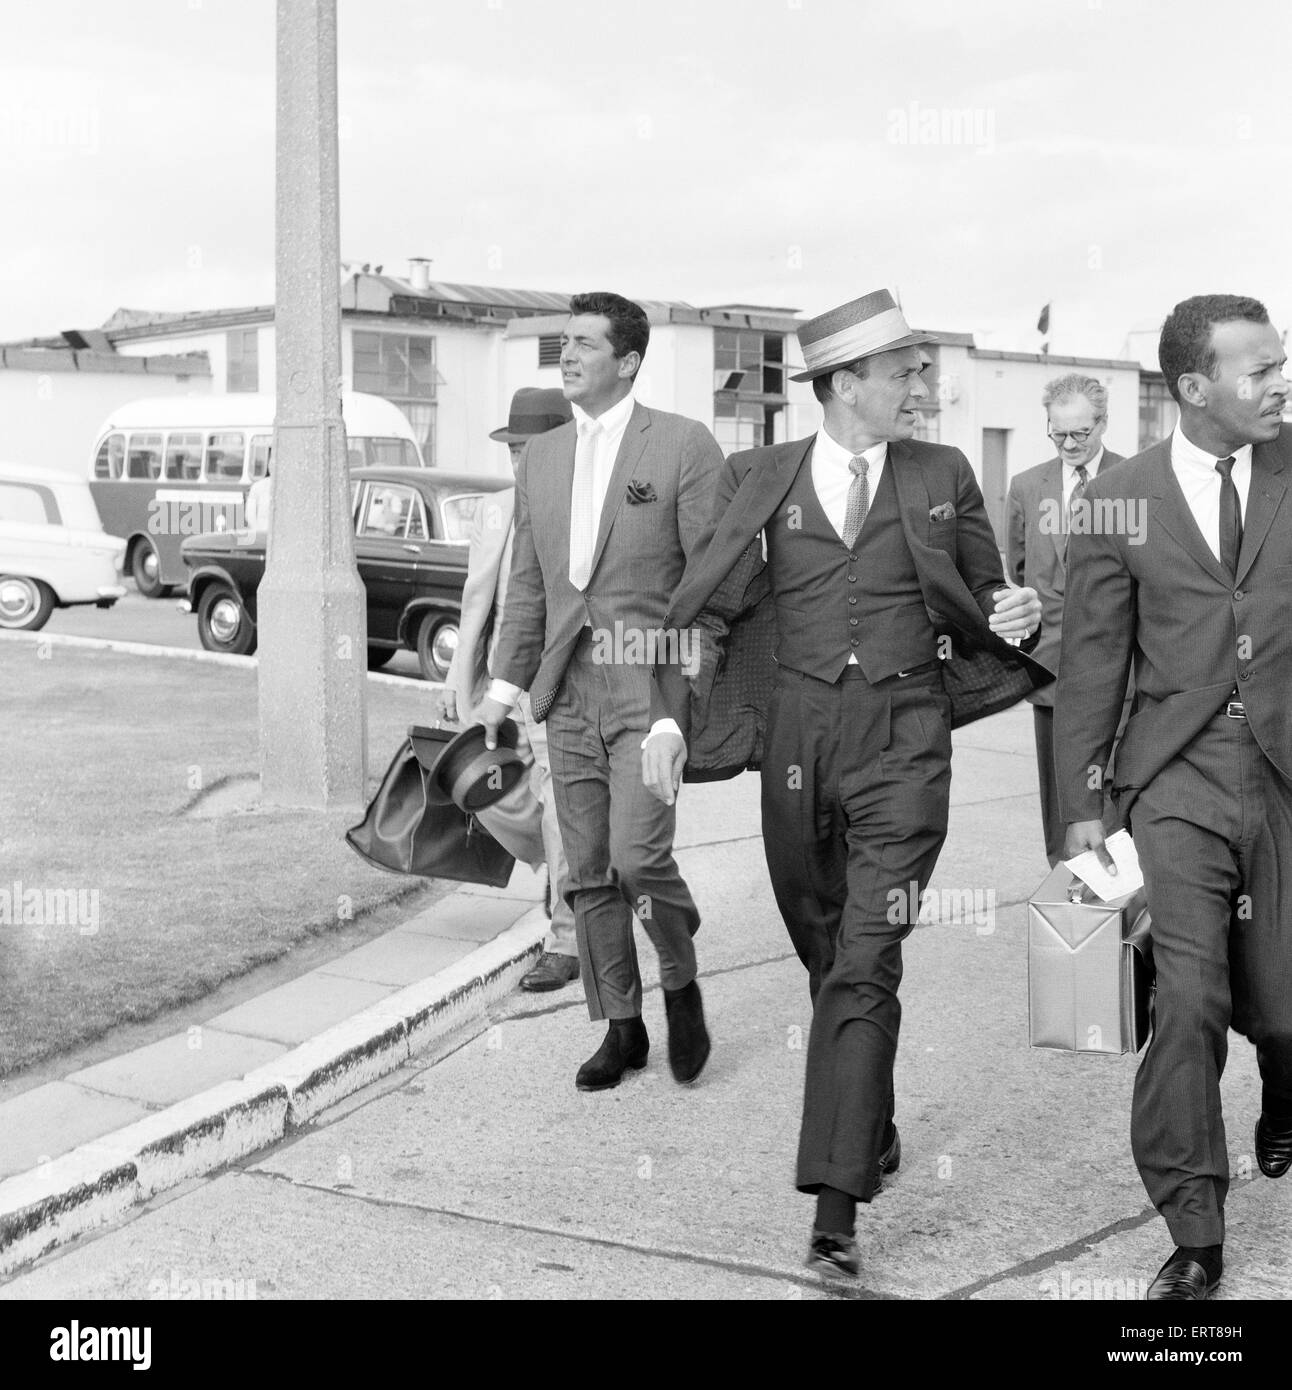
x=981 y=157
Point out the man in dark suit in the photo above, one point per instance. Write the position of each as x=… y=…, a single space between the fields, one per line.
x=608 y=509
x=1041 y=505
x=1197 y=600
x=880 y=561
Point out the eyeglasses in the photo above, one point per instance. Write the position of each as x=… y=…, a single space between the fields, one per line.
x=1077 y=436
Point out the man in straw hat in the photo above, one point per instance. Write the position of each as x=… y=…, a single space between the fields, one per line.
x=524 y=822
x=883 y=598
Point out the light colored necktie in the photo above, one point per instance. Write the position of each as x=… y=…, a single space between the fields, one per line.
x=858 y=501
x=1078 y=491
x=583 y=521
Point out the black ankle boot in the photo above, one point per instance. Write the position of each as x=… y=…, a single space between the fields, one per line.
x=688 y=1038
x=624 y=1046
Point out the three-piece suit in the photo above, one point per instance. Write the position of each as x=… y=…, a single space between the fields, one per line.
x=855 y=755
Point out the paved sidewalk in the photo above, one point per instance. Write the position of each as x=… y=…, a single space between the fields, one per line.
x=467 y=1165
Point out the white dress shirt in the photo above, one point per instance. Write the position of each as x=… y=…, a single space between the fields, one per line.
x=832 y=477
x=613 y=424
x=1195 y=471
x=1070 y=477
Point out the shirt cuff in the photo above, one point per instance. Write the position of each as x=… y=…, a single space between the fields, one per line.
x=662 y=726
x=504 y=692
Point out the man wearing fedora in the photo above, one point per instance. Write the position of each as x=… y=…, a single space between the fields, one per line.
x=883 y=598
x=524 y=822
x=608 y=510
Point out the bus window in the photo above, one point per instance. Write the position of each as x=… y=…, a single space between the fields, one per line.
x=397 y=453
x=111 y=455
x=224 y=457
x=184 y=457
x=262 y=451
x=144 y=457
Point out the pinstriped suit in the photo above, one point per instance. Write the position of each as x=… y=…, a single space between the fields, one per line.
x=618 y=838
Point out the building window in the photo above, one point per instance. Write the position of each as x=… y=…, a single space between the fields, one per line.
x=549 y=350
x=749 y=387
x=401 y=367
x=244 y=360
x=1157 y=411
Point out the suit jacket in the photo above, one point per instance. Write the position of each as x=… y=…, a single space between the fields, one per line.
x=1168 y=606
x=726 y=594
x=1036 y=553
x=491 y=531
x=641 y=550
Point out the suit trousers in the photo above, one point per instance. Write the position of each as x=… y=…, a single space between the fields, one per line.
x=1053 y=825
x=524 y=822
x=1214 y=834
x=618 y=838
x=855 y=786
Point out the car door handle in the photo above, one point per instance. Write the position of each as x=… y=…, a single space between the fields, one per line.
x=413 y=549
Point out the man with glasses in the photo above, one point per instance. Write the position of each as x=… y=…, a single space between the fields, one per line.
x=1041 y=502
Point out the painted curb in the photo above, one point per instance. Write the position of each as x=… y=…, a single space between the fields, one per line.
x=100 y=1181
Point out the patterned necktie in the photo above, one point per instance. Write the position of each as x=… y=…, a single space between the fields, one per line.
x=1078 y=492
x=1231 y=517
x=858 y=501
x=583 y=528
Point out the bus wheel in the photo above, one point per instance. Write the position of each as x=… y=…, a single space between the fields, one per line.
x=437 y=640
x=25 y=604
x=379 y=657
x=146 y=569
x=223 y=624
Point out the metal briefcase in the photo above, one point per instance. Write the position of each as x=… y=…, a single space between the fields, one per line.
x=1089 y=968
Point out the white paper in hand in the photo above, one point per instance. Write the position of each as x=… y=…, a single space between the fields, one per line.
x=1109 y=886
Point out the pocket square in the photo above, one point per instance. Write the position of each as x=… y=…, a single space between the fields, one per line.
x=640 y=492
x=944 y=511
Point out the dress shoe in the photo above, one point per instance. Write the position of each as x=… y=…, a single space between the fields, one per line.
x=1273 y=1147
x=834 y=1255
x=624 y=1046
x=553 y=971
x=889 y=1161
x=688 y=1038
x=1181 y=1279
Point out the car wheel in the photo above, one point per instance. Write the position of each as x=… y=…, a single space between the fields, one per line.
x=145 y=566
x=379 y=657
x=25 y=604
x=223 y=624
x=437 y=640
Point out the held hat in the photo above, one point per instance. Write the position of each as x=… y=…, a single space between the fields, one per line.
x=534 y=410
x=473 y=776
x=860 y=328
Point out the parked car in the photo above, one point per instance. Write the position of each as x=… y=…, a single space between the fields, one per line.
x=54 y=551
x=411 y=539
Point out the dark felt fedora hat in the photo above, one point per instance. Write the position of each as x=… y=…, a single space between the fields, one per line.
x=534 y=410
x=860 y=328
x=473 y=776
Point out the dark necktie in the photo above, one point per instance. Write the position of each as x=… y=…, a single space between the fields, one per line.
x=1078 y=492
x=1231 y=517
x=858 y=501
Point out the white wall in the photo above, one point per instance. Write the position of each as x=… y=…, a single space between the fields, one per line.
x=50 y=419
x=1007 y=395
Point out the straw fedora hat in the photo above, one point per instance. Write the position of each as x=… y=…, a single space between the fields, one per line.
x=857 y=329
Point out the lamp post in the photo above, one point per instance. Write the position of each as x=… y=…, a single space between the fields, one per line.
x=312 y=608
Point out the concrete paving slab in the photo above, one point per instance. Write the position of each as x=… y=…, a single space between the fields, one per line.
x=55 y=1118
x=179 y=1066
x=294 y=1012
x=243 y=1236
x=399 y=958
x=466 y=917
